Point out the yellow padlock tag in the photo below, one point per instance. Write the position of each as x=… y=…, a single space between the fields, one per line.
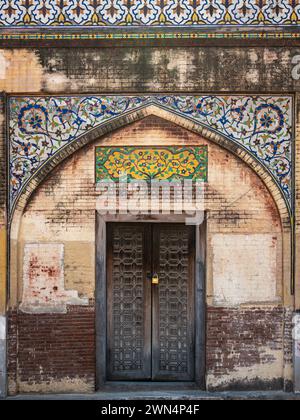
x=155 y=279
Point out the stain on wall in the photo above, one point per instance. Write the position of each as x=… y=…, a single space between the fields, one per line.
x=44 y=281
x=170 y=69
x=165 y=69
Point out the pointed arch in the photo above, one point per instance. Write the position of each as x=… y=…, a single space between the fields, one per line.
x=133 y=116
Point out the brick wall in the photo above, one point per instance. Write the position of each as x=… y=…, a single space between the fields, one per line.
x=172 y=69
x=12 y=351
x=244 y=348
x=56 y=352
x=168 y=69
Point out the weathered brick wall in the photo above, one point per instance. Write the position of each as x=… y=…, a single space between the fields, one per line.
x=247 y=341
x=172 y=69
x=151 y=69
x=12 y=351
x=57 y=351
x=52 y=348
x=62 y=210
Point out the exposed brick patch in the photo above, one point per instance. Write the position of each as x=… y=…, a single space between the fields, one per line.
x=242 y=338
x=53 y=346
x=12 y=350
x=288 y=336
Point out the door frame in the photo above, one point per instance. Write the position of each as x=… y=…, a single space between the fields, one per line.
x=101 y=300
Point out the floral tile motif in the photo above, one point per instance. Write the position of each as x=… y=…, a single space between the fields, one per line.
x=147 y=164
x=101 y=13
x=41 y=126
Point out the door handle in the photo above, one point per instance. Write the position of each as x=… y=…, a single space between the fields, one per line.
x=155 y=279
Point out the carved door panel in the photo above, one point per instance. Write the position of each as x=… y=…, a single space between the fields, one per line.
x=129 y=302
x=151 y=329
x=173 y=319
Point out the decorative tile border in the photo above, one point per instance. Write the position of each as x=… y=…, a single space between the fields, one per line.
x=151 y=163
x=41 y=126
x=153 y=13
x=124 y=36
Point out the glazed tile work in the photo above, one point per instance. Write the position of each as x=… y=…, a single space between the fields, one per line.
x=157 y=35
x=103 y=13
x=147 y=164
x=41 y=126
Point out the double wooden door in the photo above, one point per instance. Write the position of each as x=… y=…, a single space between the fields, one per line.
x=150 y=302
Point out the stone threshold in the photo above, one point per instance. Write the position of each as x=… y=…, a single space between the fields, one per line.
x=162 y=396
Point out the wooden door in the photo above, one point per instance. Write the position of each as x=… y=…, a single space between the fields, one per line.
x=151 y=327
x=129 y=302
x=173 y=303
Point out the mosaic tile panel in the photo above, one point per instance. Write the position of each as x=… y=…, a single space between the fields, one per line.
x=147 y=164
x=108 y=13
x=41 y=126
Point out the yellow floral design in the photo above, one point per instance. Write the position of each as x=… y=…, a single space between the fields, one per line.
x=151 y=163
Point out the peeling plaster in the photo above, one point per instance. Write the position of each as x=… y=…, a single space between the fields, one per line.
x=268 y=373
x=3 y=252
x=44 y=280
x=72 y=385
x=296 y=337
x=2 y=356
x=270 y=56
x=55 y=82
x=253 y=56
x=235 y=280
x=2 y=328
x=252 y=76
x=20 y=71
x=4 y=64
